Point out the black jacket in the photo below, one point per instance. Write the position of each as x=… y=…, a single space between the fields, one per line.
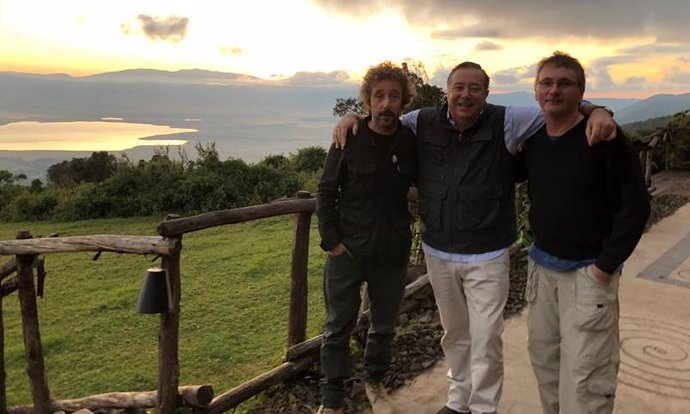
x=362 y=195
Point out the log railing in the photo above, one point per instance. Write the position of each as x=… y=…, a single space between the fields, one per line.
x=169 y=396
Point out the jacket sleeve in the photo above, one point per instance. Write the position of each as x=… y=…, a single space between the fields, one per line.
x=628 y=194
x=328 y=198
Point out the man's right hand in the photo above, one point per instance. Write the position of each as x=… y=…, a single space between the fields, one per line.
x=346 y=123
x=339 y=250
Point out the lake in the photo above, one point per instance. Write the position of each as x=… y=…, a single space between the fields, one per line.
x=110 y=135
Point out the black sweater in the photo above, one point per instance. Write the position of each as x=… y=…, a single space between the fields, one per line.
x=586 y=202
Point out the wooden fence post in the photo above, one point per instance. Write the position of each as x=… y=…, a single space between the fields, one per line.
x=5 y=270
x=667 y=147
x=32 y=335
x=3 y=393
x=648 y=167
x=168 y=337
x=297 y=322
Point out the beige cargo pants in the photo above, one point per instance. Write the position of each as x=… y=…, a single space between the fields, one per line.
x=574 y=343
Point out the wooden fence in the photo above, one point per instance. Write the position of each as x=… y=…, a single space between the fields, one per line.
x=671 y=139
x=300 y=355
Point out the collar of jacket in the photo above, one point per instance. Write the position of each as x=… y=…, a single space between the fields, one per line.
x=364 y=126
x=448 y=122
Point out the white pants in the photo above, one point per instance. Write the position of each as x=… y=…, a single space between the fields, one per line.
x=470 y=299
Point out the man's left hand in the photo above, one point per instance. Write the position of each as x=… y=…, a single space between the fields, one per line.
x=600 y=127
x=603 y=277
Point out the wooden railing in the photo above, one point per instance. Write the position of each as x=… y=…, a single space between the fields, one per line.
x=669 y=138
x=300 y=354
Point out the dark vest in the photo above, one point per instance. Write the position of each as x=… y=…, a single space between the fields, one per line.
x=466 y=183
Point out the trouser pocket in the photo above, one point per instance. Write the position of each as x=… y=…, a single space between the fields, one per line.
x=596 y=307
x=597 y=393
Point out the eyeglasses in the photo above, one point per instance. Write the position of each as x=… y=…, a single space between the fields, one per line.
x=560 y=84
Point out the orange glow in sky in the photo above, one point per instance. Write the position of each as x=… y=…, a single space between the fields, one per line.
x=274 y=39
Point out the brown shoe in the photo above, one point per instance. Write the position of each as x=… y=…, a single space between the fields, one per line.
x=324 y=410
x=378 y=398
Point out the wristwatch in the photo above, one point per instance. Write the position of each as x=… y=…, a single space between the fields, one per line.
x=605 y=108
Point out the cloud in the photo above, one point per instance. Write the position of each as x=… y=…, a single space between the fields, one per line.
x=485 y=46
x=678 y=76
x=440 y=77
x=667 y=20
x=513 y=75
x=234 y=51
x=334 y=78
x=635 y=80
x=653 y=49
x=471 y=31
x=170 y=29
x=598 y=76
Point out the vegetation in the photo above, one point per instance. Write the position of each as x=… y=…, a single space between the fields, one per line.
x=234 y=309
x=103 y=186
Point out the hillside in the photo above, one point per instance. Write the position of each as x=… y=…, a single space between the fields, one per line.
x=654 y=106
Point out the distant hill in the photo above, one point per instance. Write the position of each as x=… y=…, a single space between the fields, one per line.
x=645 y=127
x=188 y=76
x=654 y=106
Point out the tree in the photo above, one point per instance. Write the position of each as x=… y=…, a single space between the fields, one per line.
x=345 y=106
x=275 y=161
x=309 y=159
x=36 y=186
x=7 y=177
x=427 y=95
x=94 y=169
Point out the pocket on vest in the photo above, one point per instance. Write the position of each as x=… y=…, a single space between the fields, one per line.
x=431 y=196
x=479 y=207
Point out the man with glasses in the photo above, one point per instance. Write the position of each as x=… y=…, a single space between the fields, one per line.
x=466 y=160
x=588 y=209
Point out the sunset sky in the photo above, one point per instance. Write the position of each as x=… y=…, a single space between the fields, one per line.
x=633 y=48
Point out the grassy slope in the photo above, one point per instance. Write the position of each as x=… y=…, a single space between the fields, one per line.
x=235 y=295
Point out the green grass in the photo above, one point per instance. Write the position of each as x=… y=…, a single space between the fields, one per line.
x=233 y=324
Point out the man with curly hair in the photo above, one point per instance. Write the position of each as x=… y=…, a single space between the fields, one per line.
x=364 y=224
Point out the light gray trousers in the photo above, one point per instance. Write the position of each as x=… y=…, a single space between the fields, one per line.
x=574 y=343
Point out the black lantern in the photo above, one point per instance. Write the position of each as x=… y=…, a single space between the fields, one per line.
x=155 y=295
